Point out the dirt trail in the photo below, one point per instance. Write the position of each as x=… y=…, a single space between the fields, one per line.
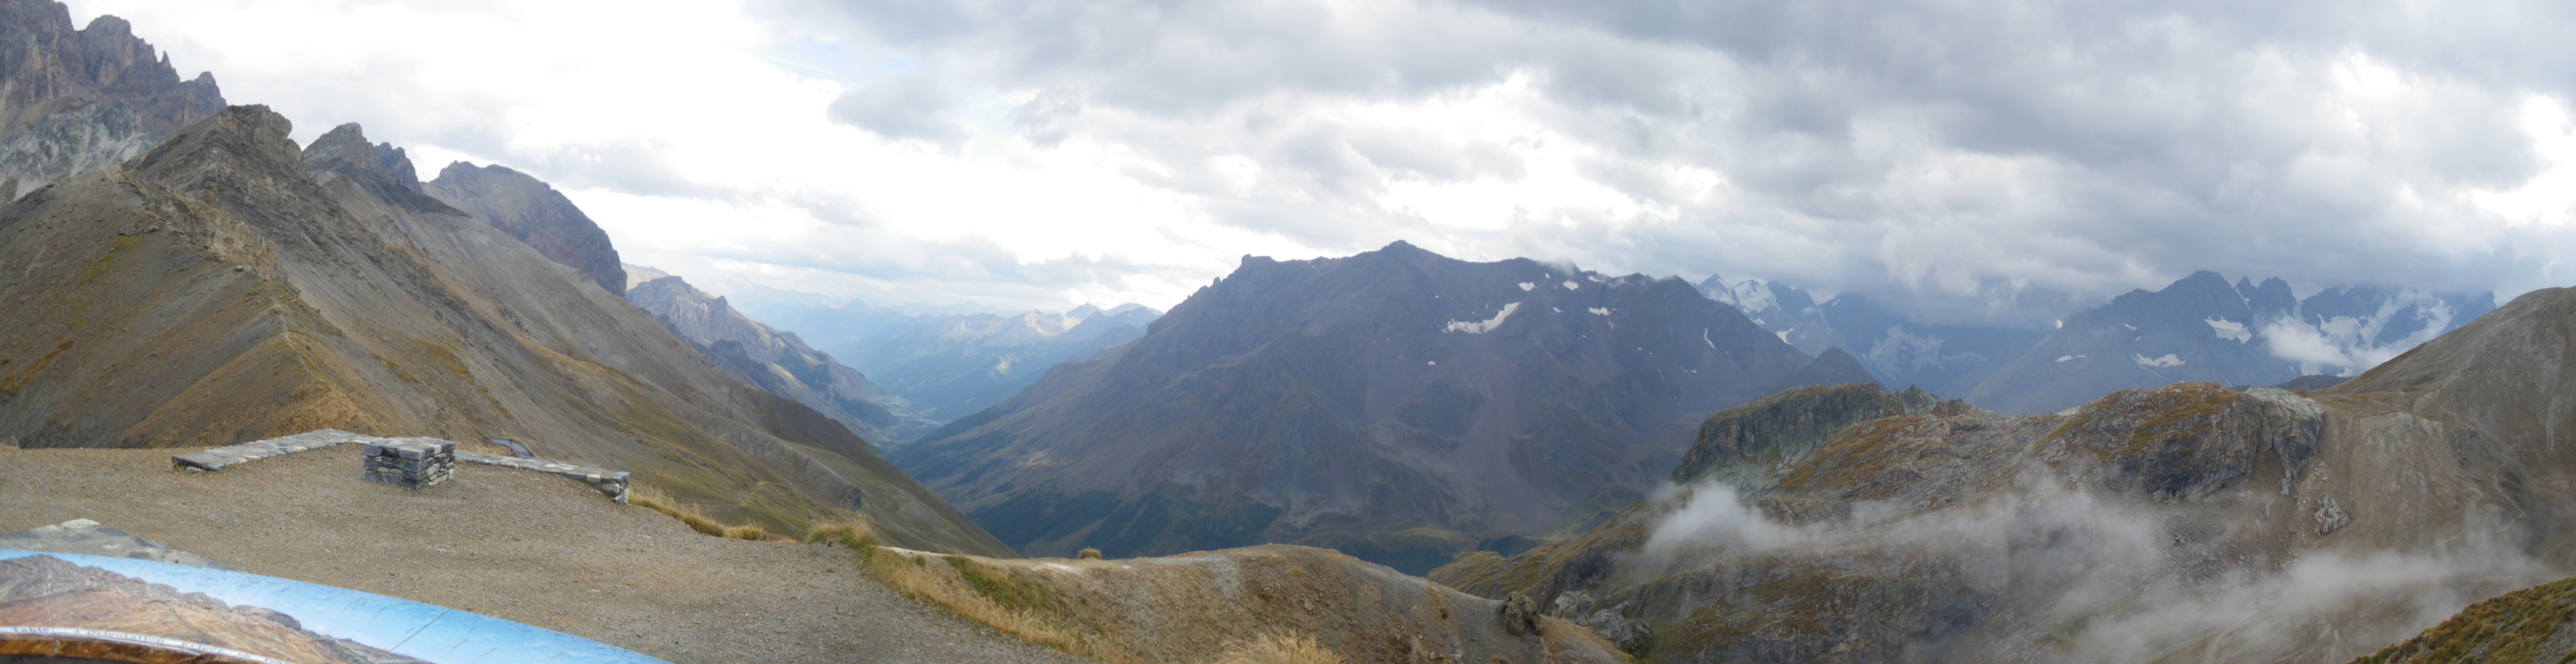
x=536 y=549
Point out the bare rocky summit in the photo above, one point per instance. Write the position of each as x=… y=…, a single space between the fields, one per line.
x=72 y=101
x=527 y=209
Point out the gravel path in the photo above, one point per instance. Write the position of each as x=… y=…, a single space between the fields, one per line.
x=512 y=544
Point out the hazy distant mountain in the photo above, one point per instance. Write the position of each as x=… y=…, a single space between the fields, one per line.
x=775 y=361
x=2203 y=329
x=1897 y=349
x=1784 y=310
x=954 y=365
x=529 y=210
x=75 y=101
x=229 y=286
x=1396 y=404
x=946 y=365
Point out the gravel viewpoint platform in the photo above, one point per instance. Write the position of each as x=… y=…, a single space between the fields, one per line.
x=528 y=547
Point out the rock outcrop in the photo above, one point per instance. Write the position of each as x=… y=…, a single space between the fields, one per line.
x=73 y=101
x=527 y=209
x=223 y=288
x=1396 y=405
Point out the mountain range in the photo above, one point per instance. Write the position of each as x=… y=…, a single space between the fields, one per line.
x=774 y=360
x=2185 y=522
x=946 y=365
x=229 y=286
x=2198 y=328
x=1396 y=404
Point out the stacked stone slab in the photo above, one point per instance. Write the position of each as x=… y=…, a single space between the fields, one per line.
x=411 y=463
x=611 y=483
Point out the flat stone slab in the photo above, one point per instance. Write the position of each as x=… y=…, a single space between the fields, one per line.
x=86 y=537
x=613 y=483
x=225 y=457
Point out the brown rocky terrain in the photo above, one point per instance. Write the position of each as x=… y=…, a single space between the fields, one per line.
x=527 y=547
x=2189 y=522
x=228 y=286
x=1191 y=607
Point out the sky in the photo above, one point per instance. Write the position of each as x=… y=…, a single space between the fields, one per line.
x=1973 y=161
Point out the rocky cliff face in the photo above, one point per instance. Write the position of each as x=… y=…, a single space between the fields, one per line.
x=527 y=209
x=775 y=361
x=72 y=101
x=1396 y=404
x=2190 y=521
x=228 y=286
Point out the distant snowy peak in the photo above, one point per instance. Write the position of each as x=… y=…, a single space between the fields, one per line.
x=2203 y=328
x=1786 y=311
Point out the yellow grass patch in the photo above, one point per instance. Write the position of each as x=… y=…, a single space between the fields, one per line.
x=1281 y=648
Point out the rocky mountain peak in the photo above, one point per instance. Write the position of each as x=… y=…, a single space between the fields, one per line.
x=244 y=146
x=398 y=164
x=345 y=152
x=533 y=212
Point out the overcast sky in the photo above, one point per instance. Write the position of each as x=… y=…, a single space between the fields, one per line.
x=2004 y=160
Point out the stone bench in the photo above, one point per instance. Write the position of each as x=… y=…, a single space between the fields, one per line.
x=387 y=462
x=612 y=483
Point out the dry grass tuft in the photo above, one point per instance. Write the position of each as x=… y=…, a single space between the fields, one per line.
x=853 y=531
x=751 y=532
x=968 y=588
x=1281 y=648
x=645 y=496
x=1088 y=554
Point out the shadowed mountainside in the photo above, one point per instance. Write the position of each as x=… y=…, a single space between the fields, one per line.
x=1396 y=405
x=228 y=286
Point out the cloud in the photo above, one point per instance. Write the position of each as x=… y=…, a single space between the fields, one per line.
x=2120 y=580
x=1980 y=161
x=911 y=106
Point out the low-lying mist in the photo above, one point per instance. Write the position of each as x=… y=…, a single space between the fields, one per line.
x=2067 y=574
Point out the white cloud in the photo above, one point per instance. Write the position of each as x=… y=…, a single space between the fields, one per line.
x=1994 y=170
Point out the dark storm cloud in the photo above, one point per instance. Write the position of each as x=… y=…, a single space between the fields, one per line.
x=1991 y=160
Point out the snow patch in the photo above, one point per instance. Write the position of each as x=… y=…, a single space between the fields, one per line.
x=2062 y=358
x=2132 y=328
x=1597 y=311
x=2167 y=361
x=1784 y=336
x=1484 y=326
x=1703 y=338
x=2229 y=330
x=1527 y=285
x=1571 y=284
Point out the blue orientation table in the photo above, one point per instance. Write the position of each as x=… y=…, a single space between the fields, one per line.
x=403 y=627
